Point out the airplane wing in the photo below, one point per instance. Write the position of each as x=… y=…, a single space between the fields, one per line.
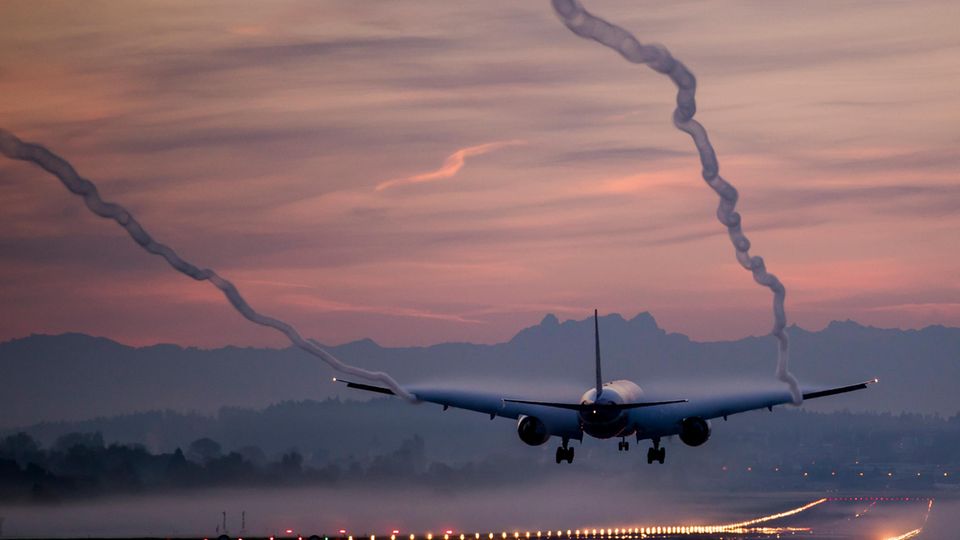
x=666 y=420
x=561 y=422
x=653 y=418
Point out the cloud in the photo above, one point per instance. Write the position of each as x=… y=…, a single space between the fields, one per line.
x=190 y=64
x=616 y=153
x=451 y=166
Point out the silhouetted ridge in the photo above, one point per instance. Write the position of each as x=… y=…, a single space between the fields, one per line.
x=643 y=324
x=550 y=320
x=74 y=376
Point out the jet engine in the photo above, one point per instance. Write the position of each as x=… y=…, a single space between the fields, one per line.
x=532 y=430
x=694 y=431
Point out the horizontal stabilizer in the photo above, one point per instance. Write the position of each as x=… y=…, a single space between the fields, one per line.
x=606 y=406
x=367 y=387
x=839 y=390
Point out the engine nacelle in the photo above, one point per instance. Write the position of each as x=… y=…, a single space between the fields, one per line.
x=532 y=430
x=694 y=431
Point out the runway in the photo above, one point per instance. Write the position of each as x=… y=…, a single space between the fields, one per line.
x=825 y=518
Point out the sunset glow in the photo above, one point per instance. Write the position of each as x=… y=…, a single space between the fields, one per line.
x=369 y=172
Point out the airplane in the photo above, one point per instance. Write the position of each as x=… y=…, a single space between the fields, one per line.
x=609 y=410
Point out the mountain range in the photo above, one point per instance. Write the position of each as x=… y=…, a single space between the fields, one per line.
x=70 y=377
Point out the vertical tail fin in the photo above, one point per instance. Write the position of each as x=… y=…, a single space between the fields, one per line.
x=596 y=339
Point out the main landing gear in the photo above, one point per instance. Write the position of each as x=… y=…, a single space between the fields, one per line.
x=655 y=453
x=623 y=445
x=564 y=453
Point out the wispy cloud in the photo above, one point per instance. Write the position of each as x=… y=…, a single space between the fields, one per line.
x=316 y=303
x=451 y=166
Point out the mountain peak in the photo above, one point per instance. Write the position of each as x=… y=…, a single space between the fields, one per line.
x=550 y=320
x=645 y=318
x=848 y=324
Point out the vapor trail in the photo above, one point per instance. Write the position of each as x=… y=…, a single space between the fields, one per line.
x=586 y=25
x=14 y=148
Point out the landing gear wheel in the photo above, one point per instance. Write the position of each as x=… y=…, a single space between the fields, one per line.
x=655 y=453
x=623 y=446
x=564 y=454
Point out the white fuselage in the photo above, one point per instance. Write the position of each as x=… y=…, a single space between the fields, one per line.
x=604 y=424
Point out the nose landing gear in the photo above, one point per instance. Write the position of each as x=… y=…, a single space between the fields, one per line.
x=623 y=445
x=564 y=453
x=655 y=453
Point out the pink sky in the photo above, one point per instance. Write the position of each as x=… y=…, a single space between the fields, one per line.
x=528 y=171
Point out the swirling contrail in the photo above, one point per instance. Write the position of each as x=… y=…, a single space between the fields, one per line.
x=586 y=25
x=14 y=148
